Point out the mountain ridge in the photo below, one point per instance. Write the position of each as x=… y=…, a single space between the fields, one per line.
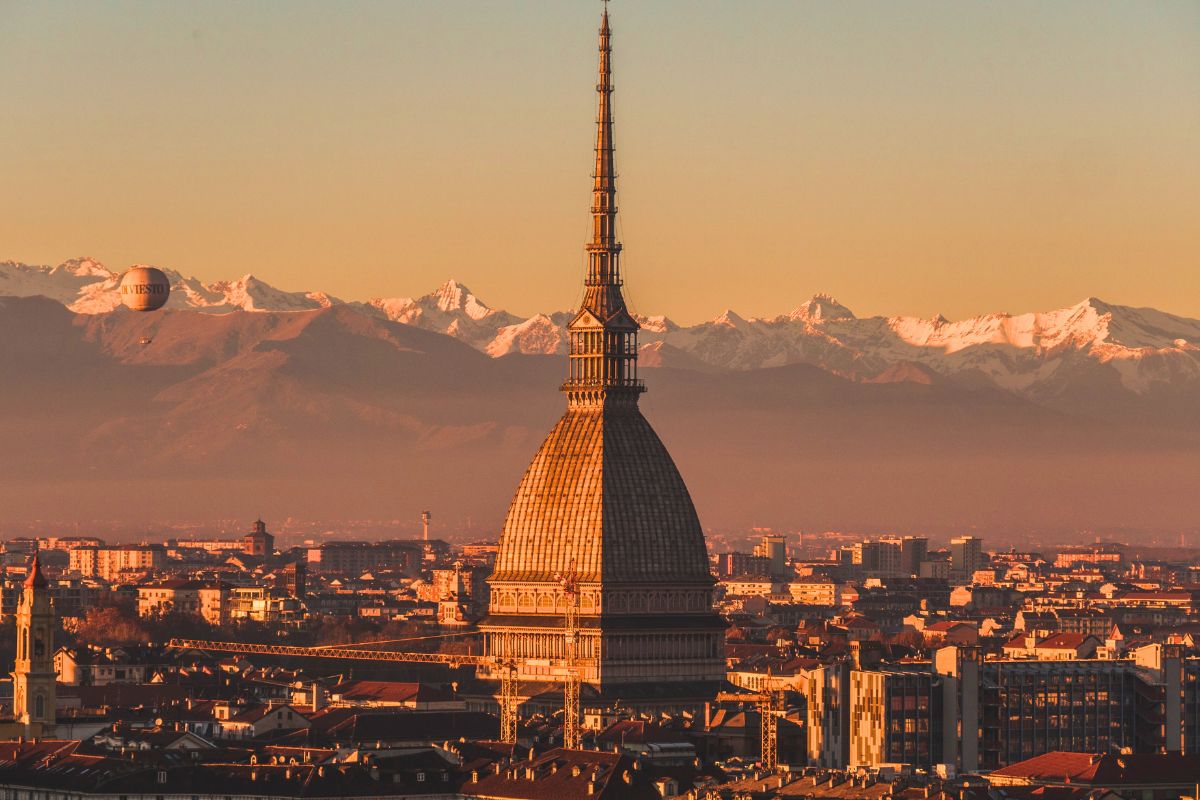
x=1031 y=354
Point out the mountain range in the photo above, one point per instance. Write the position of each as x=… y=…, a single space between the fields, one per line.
x=275 y=402
x=1040 y=356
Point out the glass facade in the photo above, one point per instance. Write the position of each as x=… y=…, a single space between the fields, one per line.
x=1032 y=708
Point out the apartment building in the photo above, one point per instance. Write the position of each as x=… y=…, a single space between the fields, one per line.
x=112 y=563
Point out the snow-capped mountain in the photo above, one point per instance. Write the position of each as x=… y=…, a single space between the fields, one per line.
x=453 y=310
x=1053 y=357
x=87 y=287
x=1022 y=353
x=64 y=283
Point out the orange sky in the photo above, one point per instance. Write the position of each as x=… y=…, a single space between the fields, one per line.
x=909 y=157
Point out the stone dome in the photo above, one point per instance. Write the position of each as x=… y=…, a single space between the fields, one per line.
x=603 y=498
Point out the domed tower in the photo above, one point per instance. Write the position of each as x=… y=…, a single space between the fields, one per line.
x=34 y=677
x=602 y=520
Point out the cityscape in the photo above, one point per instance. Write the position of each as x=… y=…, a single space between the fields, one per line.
x=607 y=639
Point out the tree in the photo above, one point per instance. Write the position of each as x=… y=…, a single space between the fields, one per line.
x=110 y=625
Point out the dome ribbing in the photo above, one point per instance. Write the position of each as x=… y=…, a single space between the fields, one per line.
x=604 y=499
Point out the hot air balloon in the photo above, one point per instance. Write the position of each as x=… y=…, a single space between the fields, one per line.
x=144 y=288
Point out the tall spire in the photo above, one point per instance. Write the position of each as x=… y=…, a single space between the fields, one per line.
x=603 y=334
x=604 y=192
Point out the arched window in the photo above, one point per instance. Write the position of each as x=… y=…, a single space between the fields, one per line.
x=39 y=707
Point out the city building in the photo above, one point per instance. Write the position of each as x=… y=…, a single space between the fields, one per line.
x=773 y=548
x=355 y=558
x=115 y=562
x=602 y=518
x=966 y=556
x=737 y=565
x=258 y=542
x=1099 y=555
x=816 y=592
x=182 y=595
x=896 y=717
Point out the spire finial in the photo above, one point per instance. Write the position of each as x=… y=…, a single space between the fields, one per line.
x=603 y=334
x=35 y=579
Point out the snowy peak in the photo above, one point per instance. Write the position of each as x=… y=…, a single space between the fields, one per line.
x=537 y=335
x=730 y=319
x=248 y=293
x=83 y=268
x=821 y=308
x=1086 y=325
x=452 y=297
x=63 y=283
x=656 y=324
x=454 y=310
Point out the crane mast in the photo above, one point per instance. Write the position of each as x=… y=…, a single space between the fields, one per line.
x=769 y=709
x=769 y=701
x=572 y=681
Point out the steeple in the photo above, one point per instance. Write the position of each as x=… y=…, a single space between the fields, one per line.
x=603 y=334
x=33 y=674
x=35 y=579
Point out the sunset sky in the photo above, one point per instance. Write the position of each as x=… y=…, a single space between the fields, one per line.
x=908 y=157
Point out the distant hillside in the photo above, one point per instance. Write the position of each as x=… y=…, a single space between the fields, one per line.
x=337 y=411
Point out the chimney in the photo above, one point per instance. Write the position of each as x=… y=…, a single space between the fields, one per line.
x=591 y=789
x=318 y=696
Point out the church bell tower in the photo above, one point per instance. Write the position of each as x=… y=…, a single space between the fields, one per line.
x=34 y=678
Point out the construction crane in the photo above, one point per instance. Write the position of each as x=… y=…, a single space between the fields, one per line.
x=503 y=664
x=507 y=666
x=769 y=701
x=572 y=681
x=770 y=707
